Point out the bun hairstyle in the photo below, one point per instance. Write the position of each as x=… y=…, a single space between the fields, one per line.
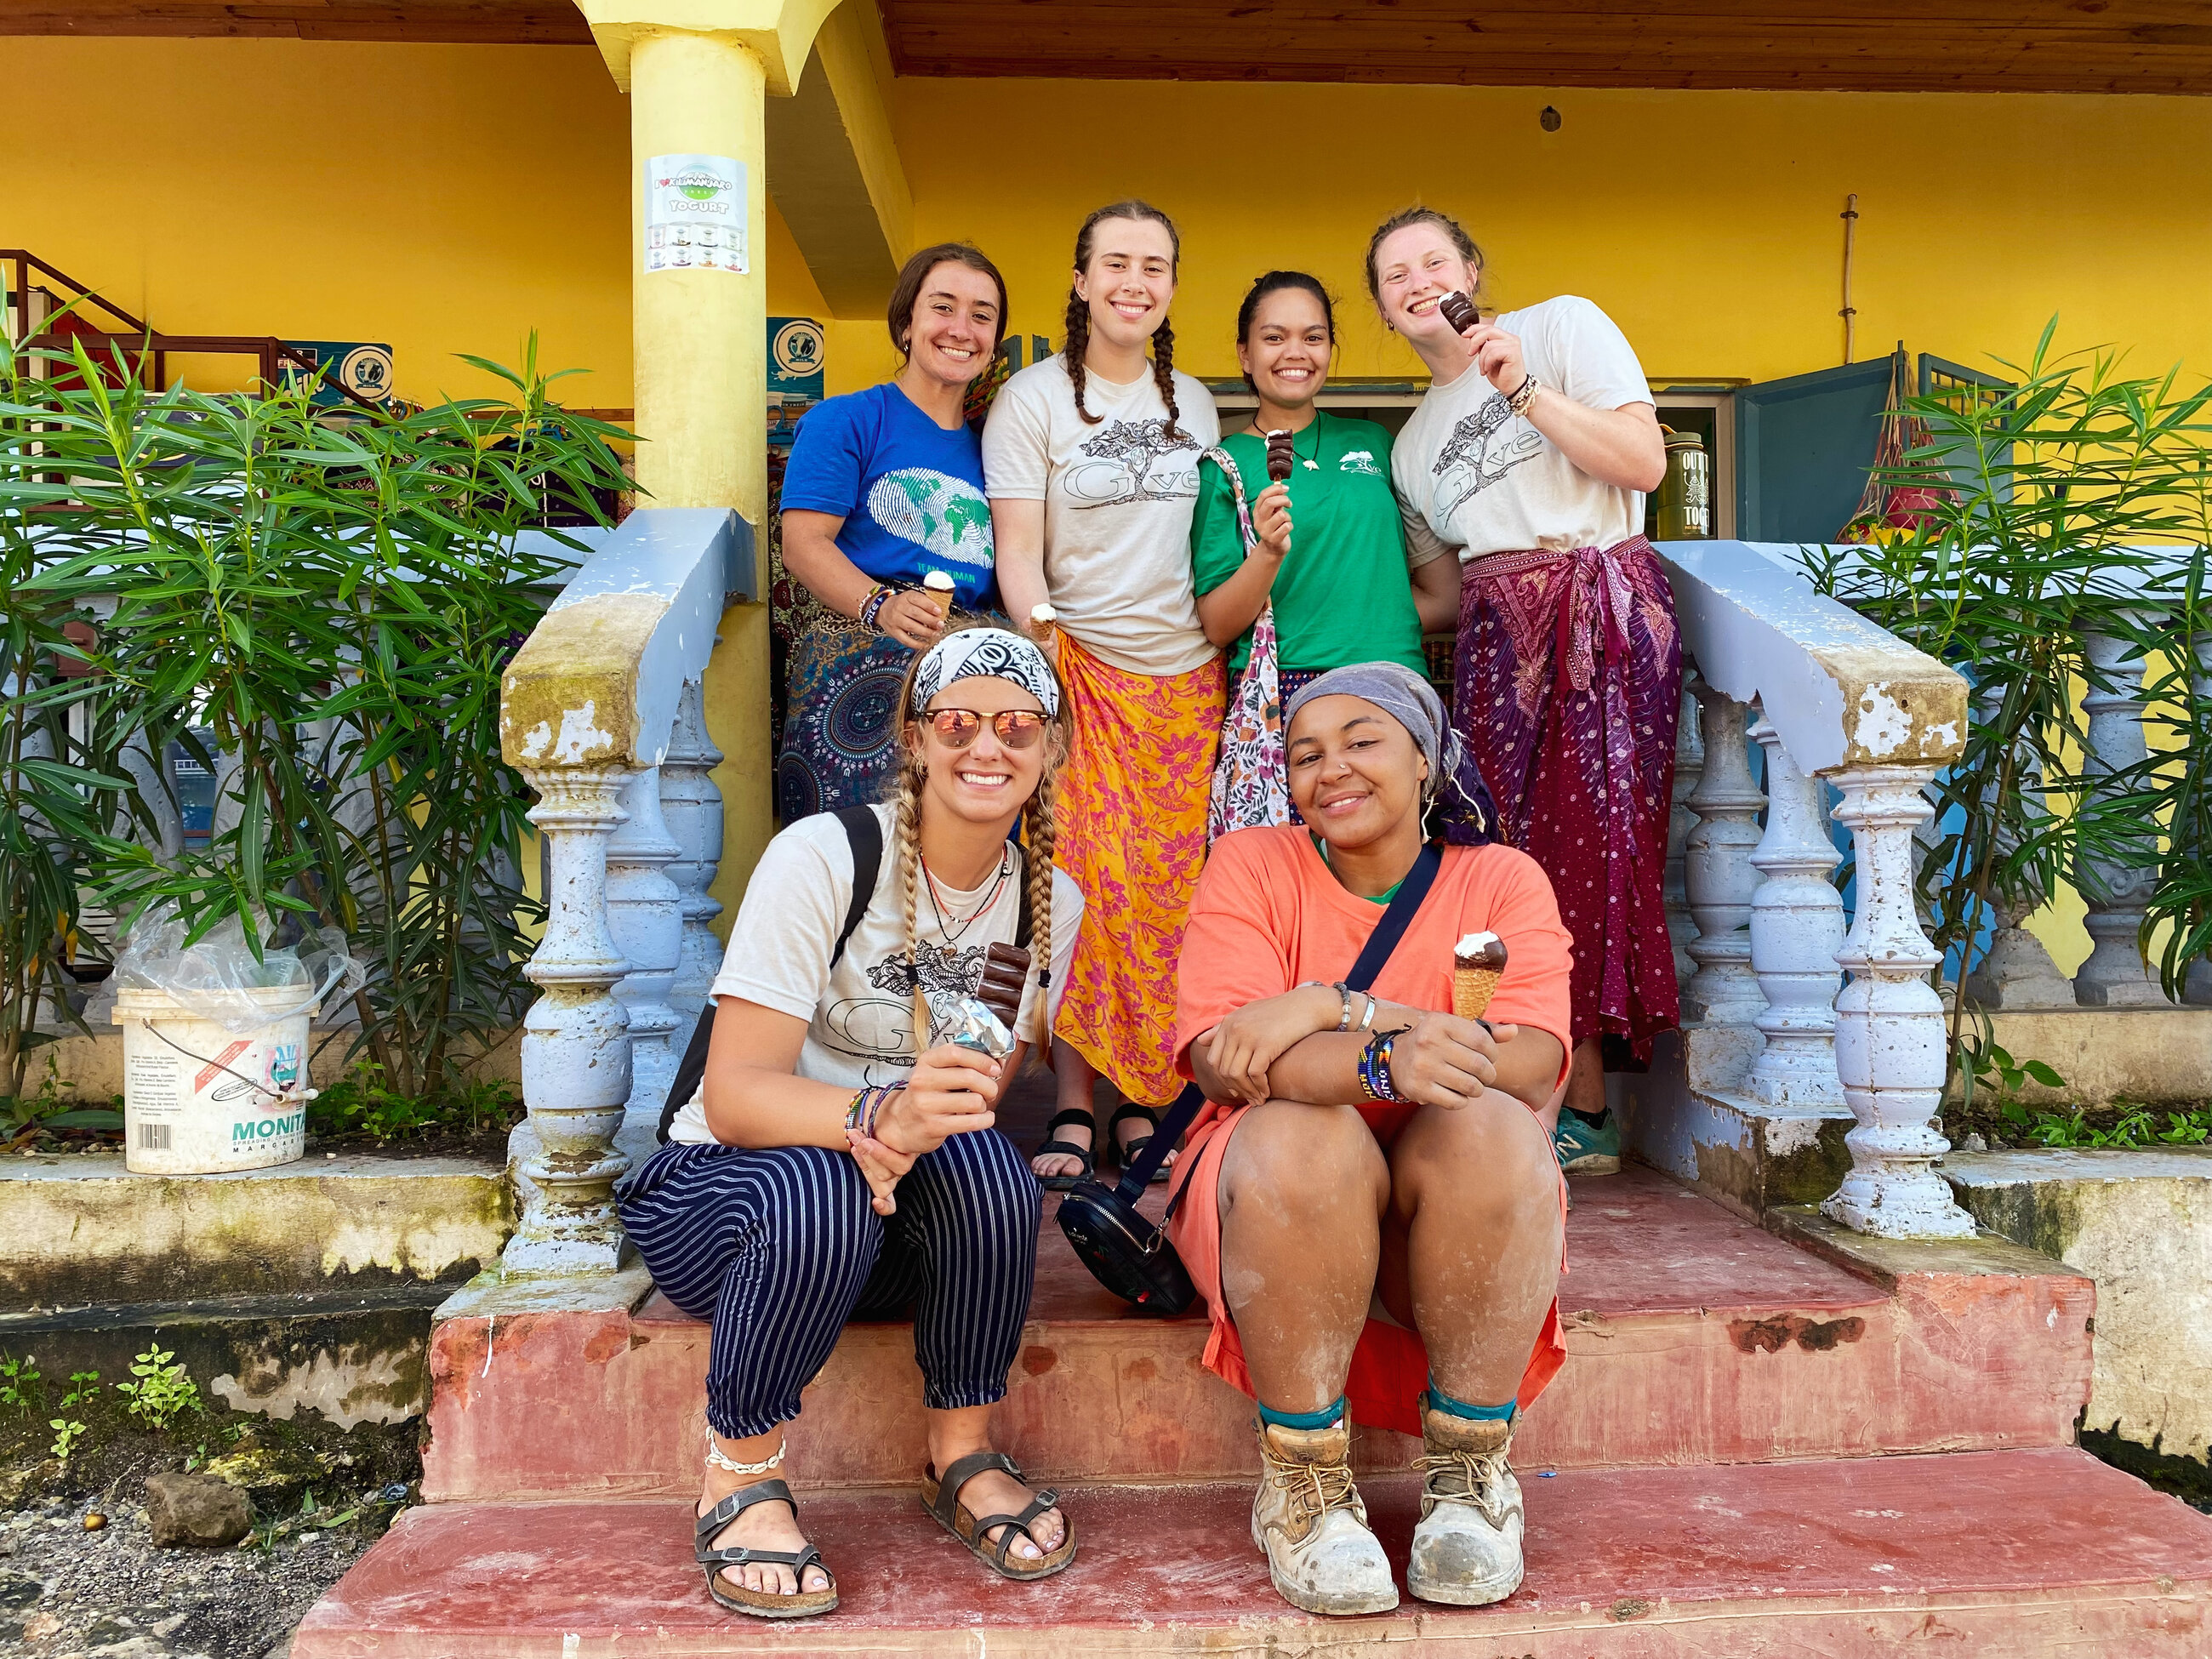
x=1420 y=216
x=1038 y=832
x=906 y=293
x=1274 y=282
x=1078 y=312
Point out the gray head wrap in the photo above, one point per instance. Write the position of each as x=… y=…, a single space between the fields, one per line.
x=993 y=652
x=1407 y=698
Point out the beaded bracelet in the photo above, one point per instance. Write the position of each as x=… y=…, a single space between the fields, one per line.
x=873 y=605
x=1523 y=395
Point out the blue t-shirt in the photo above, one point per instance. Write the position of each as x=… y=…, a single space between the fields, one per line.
x=911 y=494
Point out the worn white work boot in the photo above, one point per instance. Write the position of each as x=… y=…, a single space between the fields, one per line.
x=1467 y=1549
x=1308 y=1518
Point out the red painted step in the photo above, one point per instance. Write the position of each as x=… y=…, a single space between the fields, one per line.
x=1693 y=1337
x=2021 y=1553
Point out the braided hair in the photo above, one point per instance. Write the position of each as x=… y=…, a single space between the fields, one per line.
x=1078 y=343
x=1038 y=835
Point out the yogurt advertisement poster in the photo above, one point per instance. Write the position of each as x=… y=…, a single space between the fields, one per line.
x=695 y=213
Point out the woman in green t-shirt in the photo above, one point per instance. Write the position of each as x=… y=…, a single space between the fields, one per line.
x=1348 y=592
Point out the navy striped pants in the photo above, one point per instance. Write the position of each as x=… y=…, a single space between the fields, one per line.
x=778 y=1248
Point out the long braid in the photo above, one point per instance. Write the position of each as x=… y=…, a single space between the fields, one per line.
x=1163 y=375
x=1078 y=342
x=1039 y=851
x=908 y=837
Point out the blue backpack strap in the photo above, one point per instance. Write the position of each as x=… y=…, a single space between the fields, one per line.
x=864 y=830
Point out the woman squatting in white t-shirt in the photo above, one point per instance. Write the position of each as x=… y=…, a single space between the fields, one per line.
x=836 y=1162
x=1530 y=454
x=1091 y=461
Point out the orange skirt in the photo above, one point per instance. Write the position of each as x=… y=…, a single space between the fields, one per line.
x=1390 y=1366
x=1130 y=831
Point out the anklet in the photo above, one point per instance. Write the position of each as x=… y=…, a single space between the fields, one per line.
x=717 y=1458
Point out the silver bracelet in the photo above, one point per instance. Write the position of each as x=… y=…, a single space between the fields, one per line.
x=1367 y=1019
x=1524 y=395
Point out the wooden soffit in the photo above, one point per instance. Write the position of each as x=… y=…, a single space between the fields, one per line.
x=1853 y=45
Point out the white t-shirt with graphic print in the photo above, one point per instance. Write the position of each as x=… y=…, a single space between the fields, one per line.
x=1471 y=474
x=859 y=1014
x=1118 y=498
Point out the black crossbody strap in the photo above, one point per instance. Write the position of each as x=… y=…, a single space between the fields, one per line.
x=1397 y=916
x=864 y=830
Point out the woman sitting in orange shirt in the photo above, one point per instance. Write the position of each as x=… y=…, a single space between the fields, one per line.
x=1337 y=1167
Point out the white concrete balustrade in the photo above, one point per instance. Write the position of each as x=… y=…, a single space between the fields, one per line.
x=1839 y=703
x=601 y=713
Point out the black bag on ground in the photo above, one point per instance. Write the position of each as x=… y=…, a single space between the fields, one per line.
x=1121 y=1247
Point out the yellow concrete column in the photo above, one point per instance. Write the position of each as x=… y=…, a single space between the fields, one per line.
x=700 y=355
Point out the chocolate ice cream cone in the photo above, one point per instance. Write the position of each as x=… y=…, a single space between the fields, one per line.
x=1478 y=964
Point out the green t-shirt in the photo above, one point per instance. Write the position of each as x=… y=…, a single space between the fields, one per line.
x=1344 y=594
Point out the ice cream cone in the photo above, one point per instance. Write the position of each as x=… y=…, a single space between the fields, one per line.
x=1044 y=629
x=937 y=588
x=1478 y=964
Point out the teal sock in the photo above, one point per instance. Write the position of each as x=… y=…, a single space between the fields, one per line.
x=1326 y=1417
x=1439 y=1400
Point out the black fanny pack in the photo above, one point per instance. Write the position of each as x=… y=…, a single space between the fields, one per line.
x=1124 y=1251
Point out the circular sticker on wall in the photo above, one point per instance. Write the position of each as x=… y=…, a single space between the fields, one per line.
x=366 y=371
x=797 y=348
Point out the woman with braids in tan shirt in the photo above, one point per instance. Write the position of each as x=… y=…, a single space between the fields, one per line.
x=840 y=1160
x=1091 y=461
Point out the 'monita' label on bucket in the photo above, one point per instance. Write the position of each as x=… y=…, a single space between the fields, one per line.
x=198 y=1100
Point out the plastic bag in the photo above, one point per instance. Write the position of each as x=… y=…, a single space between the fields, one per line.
x=217 y=977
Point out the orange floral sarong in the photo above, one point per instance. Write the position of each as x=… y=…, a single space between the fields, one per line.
x=1130 y=830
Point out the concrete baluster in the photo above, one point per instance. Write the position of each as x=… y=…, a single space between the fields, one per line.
x=2116 y=890
x=1689 y=767
x=1797 y=928
x=2016 y=971
x=576 y=1039
x=1717 y=873
x=1890 y=1037
x=645 y=918
x=692 y=805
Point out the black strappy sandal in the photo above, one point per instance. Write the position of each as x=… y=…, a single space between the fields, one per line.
x=1135 y=1150
x=802 y=1603
x=1058 y=1148
x=942 y=1499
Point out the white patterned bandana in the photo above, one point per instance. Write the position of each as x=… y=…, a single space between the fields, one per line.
x=992 y=651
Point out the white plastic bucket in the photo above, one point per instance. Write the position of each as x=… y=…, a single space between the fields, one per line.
x=199 y=1099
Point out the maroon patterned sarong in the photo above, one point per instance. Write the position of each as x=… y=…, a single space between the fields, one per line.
x=1568 y=685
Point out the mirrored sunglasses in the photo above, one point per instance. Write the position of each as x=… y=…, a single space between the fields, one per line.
x=1016 y=728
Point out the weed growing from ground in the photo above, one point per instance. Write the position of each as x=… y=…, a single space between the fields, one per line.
x=163 y=1392
x=68 y=1433
x=21 y=1385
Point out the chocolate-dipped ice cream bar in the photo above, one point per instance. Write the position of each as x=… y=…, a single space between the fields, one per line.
x=1459 y=311
x=1478 y=964
x=1281 y=456
x=1006 y=971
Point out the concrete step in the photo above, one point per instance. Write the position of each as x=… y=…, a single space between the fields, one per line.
x=2019 y=1554
x=1694 y=1337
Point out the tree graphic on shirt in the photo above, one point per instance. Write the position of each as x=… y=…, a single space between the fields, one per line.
x=1470 y=461
x=1137 y=444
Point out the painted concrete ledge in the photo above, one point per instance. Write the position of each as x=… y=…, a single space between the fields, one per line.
x=83 y=1230
x=2139 y=1224
x=2161 y=1055
x=92 y=1066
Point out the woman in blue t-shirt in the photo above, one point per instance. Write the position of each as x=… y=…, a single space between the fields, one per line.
x=885 y=488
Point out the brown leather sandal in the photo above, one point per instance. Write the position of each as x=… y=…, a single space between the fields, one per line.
x=941 y=1498
x=802 y=1603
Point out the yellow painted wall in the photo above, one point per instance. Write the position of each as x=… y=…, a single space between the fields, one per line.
x=1706 y=222
x=445 y=198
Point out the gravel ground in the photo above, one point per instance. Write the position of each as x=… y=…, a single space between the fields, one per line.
x=66 y=1592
